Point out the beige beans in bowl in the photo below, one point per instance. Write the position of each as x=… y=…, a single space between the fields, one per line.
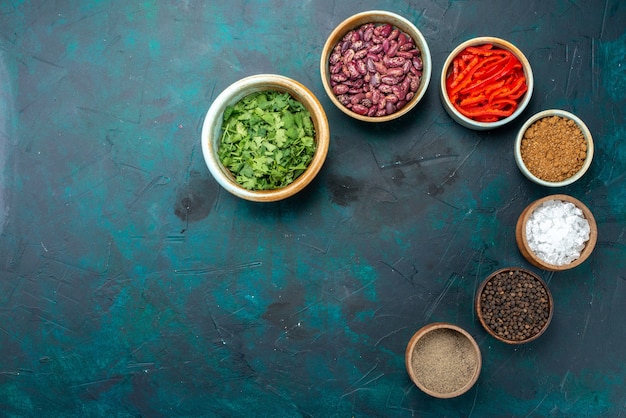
x=375 y=66
x=212 y=134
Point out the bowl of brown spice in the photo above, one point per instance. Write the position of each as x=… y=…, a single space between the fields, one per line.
x=514 y=305
x=443 y=360
x=554 y=148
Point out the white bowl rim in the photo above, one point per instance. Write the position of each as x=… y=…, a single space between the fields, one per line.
x=233 y=93
x=544 y=114
x=500 y=43
x=426 y=71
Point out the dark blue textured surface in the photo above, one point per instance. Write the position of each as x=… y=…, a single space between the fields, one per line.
x=132 y=285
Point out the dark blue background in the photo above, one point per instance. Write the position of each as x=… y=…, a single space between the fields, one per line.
x=132 y=285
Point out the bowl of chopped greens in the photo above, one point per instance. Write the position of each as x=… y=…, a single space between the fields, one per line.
x=265 y=137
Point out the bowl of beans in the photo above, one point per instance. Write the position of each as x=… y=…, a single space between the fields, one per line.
x=443 y=360
x=486 y=82
x=514 y=305
x=375 y=66
x=557 y=232
x=554 y=148
x=265 y=137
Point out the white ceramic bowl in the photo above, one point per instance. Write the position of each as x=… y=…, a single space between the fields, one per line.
x=212 y=131
x=544 y=114
x=377 y=17
x=522 y=101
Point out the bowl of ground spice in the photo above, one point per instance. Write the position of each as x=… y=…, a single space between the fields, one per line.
x=557 y=232
x=554 y=148
x=514 y=305
x=265 y=137
x=443 y=360
x=375 y=66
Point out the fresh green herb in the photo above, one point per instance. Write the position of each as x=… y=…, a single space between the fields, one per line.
x=267 y=140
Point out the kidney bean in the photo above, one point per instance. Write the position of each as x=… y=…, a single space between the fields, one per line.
x=376 y=49
x=385 y=30
x=404 y=54
x=375 y=79
x=375 y=69
x=391 y=98
x=360 y=109
x=385 y=88
x=400 y=90
x=395 y=72
x=338 y=78
x=389 y=80
x=390 y=108
x=359 y=55
x=368 y=33
x=335 y=57
x=402 y=39
x=393 y=61
x=417 y=63
x=361 y=67
x=380 y=67
x=393 y=48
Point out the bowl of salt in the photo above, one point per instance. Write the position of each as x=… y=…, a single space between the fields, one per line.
x=557 y=232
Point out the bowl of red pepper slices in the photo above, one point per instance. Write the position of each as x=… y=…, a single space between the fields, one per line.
x=486 y=82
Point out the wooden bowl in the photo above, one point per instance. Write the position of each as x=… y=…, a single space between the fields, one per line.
x=212 y=132
x=430 y=353
x=522 y=240
x=480 y=306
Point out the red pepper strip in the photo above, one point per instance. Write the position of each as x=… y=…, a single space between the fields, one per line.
x=511 y=64
x=487 y=66
x=455 y=69
x=494 y=68
x=519 y=93
x=477 y=113
x=473 y=100
x=510 y=92
x=464 y=74
x=486 y=52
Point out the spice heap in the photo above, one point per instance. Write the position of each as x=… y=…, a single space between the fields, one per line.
x=557 y=231
x=486 y=83
x=554 y=148
x=444 y=361
x=515 y=305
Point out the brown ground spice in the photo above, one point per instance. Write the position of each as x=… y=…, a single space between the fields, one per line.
x=444 y=360
x=554 y=148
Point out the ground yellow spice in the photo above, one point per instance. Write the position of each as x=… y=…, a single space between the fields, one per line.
x=554 y=148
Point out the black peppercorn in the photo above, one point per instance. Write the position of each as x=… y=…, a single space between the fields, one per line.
x=514 y=305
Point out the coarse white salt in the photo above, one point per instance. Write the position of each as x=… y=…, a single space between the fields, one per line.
x=557 y=232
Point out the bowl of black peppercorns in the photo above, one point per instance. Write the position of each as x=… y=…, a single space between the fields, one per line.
x=514 y=305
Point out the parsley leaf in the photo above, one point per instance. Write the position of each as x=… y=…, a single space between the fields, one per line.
x=267 y=140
